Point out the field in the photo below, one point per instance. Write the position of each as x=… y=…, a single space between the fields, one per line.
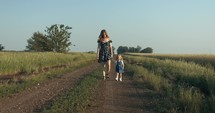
x=202 y=59
x=185 y=81
x=12 y=63
x=20 y=70
x=73 y=82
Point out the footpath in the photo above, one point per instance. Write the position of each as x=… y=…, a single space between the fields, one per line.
x=120 y=97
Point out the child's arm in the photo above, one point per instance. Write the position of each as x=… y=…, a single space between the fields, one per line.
x=123 y=66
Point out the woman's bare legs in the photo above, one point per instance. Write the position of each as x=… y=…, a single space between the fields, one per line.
x=106 y=67
x=103 y=69
x=109 y=66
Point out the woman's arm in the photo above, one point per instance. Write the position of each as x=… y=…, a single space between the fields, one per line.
x=111 y=50
x=98 y=49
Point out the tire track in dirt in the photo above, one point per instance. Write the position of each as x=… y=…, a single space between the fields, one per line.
x=31 y=100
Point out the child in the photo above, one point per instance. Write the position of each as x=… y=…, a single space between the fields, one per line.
x=119 y=67
x=105 y=52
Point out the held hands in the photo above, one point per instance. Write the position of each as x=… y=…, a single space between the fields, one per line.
x=97 y=57
x=111 y=55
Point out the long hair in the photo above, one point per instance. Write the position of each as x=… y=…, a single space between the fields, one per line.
x=103 y=35
x=119 y=57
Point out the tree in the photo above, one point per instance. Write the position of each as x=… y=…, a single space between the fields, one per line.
x=147 y=50
x=122 y=49
x=39 y=42
x=138 y=49
x=1 y=47
x=56 y=39
x=59 y=36
x=131 y=49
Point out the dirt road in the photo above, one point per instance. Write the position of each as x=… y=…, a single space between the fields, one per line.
x=31 y=100
x=112 y=96
x=120 y=97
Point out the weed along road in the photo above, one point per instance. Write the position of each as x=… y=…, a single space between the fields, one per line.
x=31 y=100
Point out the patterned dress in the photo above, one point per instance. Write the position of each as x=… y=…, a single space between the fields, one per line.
x=119 y=67
x=105 y=51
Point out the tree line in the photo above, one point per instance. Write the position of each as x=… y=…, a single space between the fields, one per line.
x=138 y=49
x=1 y=47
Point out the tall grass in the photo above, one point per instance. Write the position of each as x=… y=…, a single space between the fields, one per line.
x=190 y=83
x=29 y=62
x=157 y=83
x=177 y=99
x=14 y=85
x=202 y=59
x=181 y=72
x=189 y=100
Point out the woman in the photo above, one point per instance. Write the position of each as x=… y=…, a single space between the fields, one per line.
x=105 y=52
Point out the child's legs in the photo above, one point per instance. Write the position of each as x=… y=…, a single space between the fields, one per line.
x=120 y=75
x=120 y=78
x=117 y=75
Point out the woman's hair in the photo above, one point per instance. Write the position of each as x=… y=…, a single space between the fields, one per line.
x=119 y=57
x=103 y=34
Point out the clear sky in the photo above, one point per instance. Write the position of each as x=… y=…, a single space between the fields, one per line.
x=167 y=26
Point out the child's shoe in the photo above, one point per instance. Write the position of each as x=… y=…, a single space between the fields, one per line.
x=120 y=79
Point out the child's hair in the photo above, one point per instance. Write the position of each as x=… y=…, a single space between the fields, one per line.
x=119 y=57
x=101 y=36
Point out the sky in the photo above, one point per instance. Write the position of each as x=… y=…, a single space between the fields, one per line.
x=167 y=26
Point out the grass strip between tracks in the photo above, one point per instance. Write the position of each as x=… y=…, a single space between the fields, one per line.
x=77 y=99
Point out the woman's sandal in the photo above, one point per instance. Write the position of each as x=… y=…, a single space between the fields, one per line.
x=107 y=75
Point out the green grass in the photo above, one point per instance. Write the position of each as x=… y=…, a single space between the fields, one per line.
x=180 y=72
x=16 y=86
x=156 y=83
x=190 y=87
x=34 y=64
x=202 y=59
x=78 y=98
x=30 y=62
x=159 y=88
x=189 y=100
